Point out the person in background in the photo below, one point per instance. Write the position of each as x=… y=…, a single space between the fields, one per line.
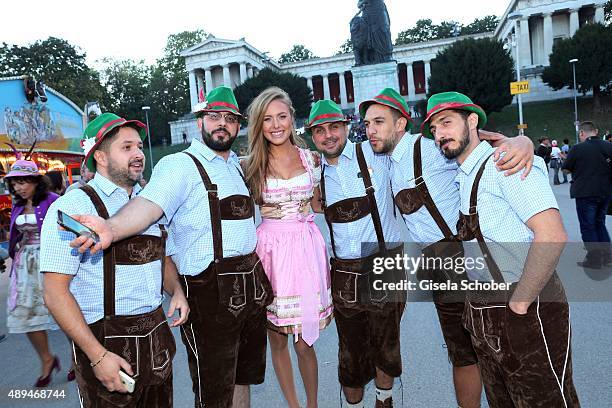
x=58 y=182
x=26 y=312
x=566 y=147
x=556 y=162
x=86 y=175
x=589 y=163
x=543 y=150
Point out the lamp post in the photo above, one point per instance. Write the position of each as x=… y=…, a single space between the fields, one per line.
x=146 y=109
x=573 y=61
x=515 y=42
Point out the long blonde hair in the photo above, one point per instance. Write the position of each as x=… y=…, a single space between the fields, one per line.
x=257 y=164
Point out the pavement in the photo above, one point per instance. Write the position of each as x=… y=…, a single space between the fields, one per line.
x=425 y=383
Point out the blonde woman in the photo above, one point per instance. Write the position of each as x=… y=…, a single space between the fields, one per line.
x=284 y=179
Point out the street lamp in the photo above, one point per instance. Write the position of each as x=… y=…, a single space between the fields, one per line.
x=573 y=61
x=515 y=17
x=146 y=109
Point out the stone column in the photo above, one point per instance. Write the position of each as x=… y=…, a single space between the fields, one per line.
x=599 y=13
x=524 y=42
x=309 y=83
x=574 y=22
x=250 y=71
x=427 y=75
x=411 y=89
x=200 y=83
x=227 y=81
x=548 y=37
x=325 y=86
x=243 y=72
x=193 y=89
x=208 y=80
x=343 y=96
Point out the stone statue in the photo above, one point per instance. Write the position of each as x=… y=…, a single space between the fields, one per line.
x=371 y=34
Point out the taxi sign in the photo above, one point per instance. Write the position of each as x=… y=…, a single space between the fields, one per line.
x=521 y=87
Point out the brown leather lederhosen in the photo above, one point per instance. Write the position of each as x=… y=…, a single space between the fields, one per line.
x=525 y=360
x=409 y=201
x=352 y=279
x=144 y=341
x=231 y=294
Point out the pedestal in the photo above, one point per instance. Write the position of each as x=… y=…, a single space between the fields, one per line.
x=369 y=80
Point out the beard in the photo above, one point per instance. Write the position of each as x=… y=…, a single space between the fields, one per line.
x=218 y=145
x=336 y=153
x=123 y=176
x=387 y=147
x=463 y=144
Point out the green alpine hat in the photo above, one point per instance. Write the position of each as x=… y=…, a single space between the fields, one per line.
x=324 y=111
x=220 y=99
x=451 y=100
x=98 y=128
x=391 y=98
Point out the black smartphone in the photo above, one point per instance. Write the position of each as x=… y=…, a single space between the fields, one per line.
x=72 y=225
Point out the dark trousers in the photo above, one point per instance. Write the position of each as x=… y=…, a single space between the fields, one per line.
x=556 y=165
x=592 y=217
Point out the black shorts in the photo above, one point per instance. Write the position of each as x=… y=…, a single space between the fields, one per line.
x=368 y=340
x=458 y=340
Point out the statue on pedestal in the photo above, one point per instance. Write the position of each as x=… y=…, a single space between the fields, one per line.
x=371 y=34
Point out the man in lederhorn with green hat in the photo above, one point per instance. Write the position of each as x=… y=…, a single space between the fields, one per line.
x=353 y=177
x=521 y=335
x=103 y=302
x=203 y=197
x=422 y=181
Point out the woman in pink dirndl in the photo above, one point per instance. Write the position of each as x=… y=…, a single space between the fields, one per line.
x=284 y=181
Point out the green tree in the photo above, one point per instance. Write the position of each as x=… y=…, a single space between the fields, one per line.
x=346 y=47
x=294 y=85
x=126 y=82
x=168 y=93
x=479 y=68
x=447 y=29
x=424 y=30
x=481 y=25
x=592 y=46
x=61 y=65
x=297 y=53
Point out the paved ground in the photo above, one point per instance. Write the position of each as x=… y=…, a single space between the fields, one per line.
x=426 y=381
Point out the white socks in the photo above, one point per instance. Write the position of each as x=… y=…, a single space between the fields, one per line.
x=382 y=395
x=355 y=405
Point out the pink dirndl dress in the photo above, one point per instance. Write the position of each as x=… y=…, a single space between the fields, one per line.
x=294 y=256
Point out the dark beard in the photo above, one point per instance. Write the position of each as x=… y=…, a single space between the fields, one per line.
x=337 y=153
x=216 y=145
x=122 y=177
x=463 y=144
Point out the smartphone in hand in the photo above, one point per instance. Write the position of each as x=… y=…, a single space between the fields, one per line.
x=128 y=381
x=72 y=225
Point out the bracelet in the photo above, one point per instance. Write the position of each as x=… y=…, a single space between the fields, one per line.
x=101 y=358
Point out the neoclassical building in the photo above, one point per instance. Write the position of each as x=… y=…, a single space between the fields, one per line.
x=528 y=27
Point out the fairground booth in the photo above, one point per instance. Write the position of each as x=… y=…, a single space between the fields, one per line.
x=30 y=113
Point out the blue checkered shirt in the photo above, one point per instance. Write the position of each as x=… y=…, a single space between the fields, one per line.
x=137 y=288
x=439 y=175
x=176 y=186
x=343 y=181
x=504 y=206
